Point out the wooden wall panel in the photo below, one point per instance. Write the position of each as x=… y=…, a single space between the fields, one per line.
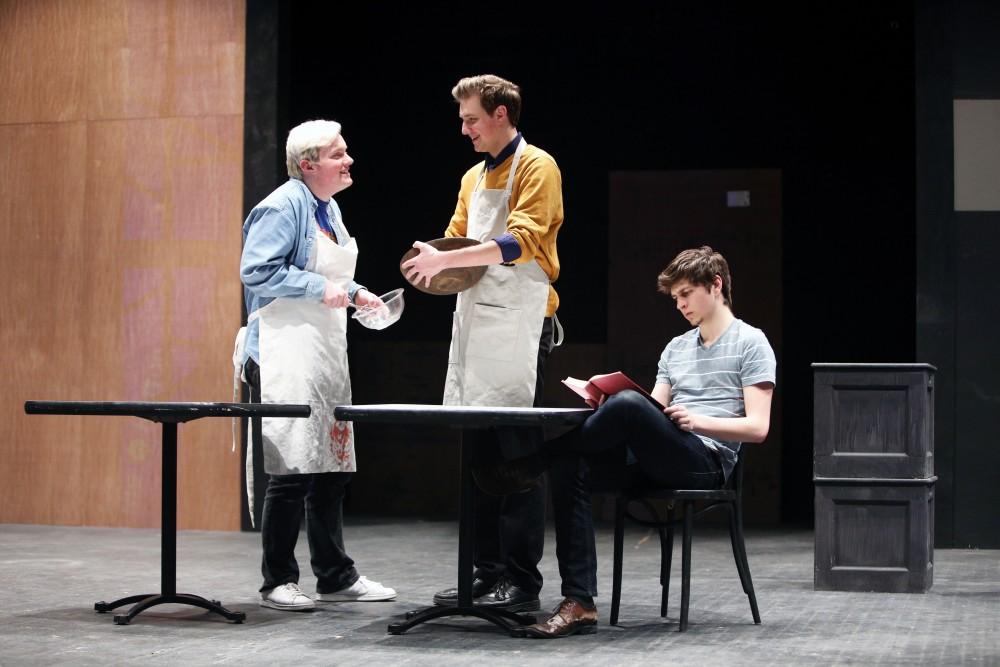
x=178 y=299
x=42 y=342
x=163 y=59
x=43 y=64
x=123 y=232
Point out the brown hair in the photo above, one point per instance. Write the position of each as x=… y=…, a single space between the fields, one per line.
x=698 y=266
x=492 y=91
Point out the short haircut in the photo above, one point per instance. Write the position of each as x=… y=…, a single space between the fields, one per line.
x=305 y=142
x=492 y=91
x=698 y=266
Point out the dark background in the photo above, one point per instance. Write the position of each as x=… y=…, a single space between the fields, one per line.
x=851 y=102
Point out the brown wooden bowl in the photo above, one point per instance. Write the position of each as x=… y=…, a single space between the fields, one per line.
x=449 y=281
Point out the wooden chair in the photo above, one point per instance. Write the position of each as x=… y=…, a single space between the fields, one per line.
x=729 y=497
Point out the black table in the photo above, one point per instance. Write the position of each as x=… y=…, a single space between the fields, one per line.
x=466 y=418
x=168 y=414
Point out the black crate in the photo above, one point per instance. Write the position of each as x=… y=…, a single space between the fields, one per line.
x=873 y=420
x=874 y=535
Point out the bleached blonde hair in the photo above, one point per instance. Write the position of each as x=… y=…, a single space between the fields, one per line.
x=305 y=142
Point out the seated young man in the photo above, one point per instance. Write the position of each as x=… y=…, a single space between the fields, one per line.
x=716 y=379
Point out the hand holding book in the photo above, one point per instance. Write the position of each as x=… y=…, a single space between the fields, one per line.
x=595 y=390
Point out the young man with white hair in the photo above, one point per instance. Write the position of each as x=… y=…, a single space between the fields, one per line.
x=297 y=270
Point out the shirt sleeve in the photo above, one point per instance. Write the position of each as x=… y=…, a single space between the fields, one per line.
x=539 y=206
x=459 y=224
x=757 y=362
x=264 y=266
x=663 y=368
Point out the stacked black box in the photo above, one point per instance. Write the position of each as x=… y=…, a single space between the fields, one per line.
x=873 y=467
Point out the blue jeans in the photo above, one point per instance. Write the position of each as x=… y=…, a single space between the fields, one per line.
x=321 y=497
x=593 y=456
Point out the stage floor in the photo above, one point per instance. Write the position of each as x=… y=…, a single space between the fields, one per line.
x=50 y=577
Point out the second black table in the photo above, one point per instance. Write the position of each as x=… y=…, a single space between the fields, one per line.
x=465 y=418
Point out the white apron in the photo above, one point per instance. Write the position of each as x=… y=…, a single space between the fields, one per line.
x=303 y=359
x=497 y=323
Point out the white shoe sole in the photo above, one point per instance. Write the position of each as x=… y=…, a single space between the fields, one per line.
x=287 y=607
x=339 y=597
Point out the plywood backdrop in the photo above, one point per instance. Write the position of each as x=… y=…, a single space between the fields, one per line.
x=121 y=154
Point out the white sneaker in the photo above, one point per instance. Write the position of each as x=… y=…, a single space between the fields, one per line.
x=362 y=590
x=287 y=597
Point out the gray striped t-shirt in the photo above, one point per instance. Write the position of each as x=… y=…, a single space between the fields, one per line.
x=710 y=381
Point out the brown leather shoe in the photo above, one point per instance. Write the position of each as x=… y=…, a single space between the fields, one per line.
x=570 y=618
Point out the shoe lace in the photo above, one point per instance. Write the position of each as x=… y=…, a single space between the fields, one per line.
x=293 y=587
x=503 y=587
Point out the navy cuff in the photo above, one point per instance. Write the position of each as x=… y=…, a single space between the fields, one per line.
x=509 y=248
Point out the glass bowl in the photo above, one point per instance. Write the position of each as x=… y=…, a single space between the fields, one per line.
x=383 y=316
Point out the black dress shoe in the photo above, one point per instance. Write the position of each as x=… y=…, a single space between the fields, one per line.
x=449 y=596
x=507 y=595
x=506 y=477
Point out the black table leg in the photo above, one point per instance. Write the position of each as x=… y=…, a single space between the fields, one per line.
x=510 y=621
x=168 y=550
x=168 y=511
x=466 y=525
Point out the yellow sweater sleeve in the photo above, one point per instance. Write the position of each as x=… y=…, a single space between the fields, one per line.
x=459 y=224
x=536 y=214
x=537 y=211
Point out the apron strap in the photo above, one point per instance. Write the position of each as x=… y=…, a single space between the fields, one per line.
x=510 y=177
x=513 y=168
x=238 y=348
x=558 y=335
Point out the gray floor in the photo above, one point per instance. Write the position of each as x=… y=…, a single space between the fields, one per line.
x=50 y=578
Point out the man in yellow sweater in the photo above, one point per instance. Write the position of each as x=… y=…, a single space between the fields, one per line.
x=504 y=326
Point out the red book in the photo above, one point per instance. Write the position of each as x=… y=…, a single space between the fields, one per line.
x=609 y=384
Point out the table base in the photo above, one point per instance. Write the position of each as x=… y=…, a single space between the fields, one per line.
x=510 y=621
x=144 y=602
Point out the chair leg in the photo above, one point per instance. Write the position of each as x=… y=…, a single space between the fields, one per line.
x=734 y=539
x=740 y=554
x=616 y=582
x=666 y=558
x=686 y=566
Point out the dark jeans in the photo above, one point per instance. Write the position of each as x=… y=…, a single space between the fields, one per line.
x=321 y=496
x=592 y=457
x=510 y=530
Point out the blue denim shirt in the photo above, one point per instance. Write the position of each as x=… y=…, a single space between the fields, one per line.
x=278 y=237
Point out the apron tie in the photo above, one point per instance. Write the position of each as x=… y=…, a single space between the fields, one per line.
x=558 y=335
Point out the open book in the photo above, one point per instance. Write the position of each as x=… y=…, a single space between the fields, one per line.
x=609 y=384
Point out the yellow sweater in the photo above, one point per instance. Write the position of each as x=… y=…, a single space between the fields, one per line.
x=536 y=209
